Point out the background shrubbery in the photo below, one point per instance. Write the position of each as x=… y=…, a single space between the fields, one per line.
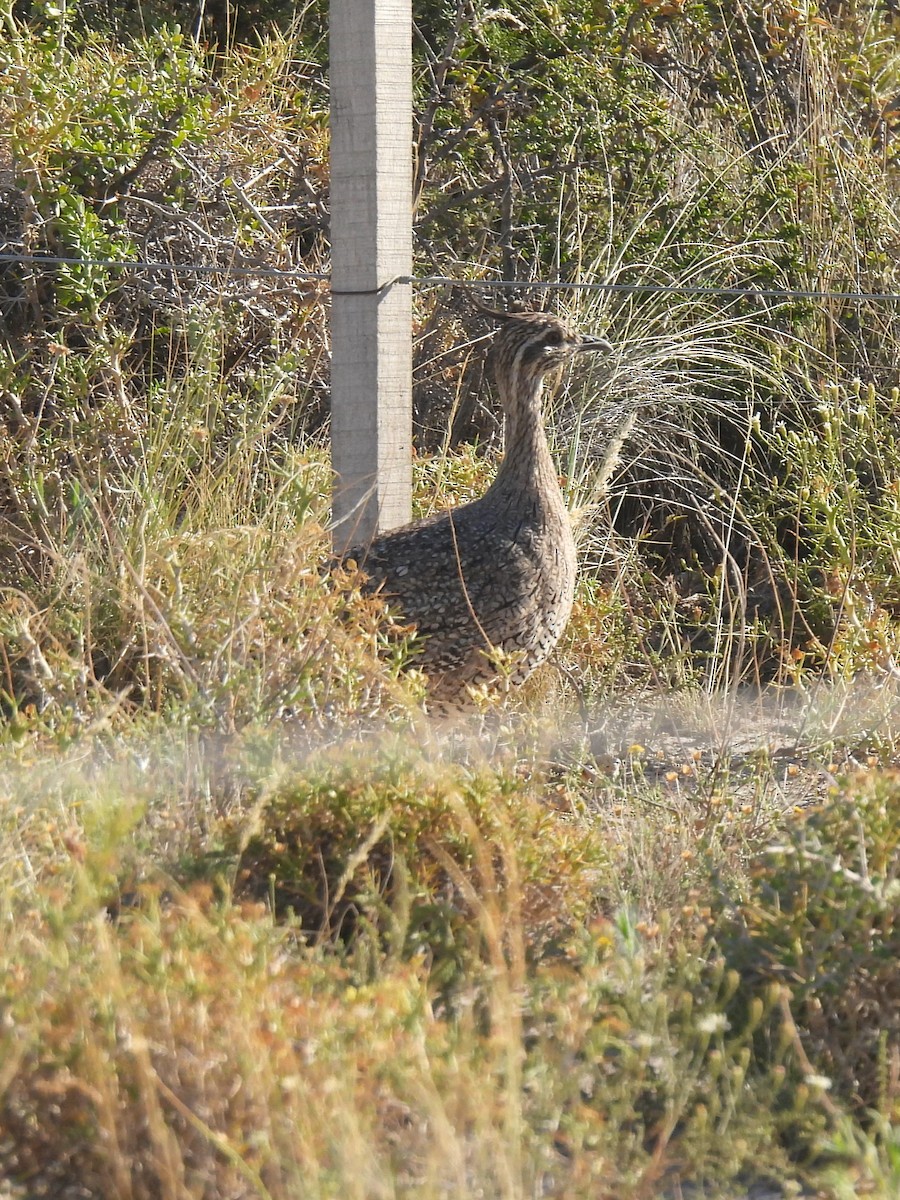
x=693 y=146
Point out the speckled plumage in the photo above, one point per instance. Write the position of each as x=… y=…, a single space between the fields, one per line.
x=498 y=573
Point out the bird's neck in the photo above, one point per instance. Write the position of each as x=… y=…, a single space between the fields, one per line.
x=527 y=463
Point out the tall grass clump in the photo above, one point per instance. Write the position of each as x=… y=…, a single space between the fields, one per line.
x=705 y=147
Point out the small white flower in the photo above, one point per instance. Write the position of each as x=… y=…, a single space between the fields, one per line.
x=713 y=1023
x=821 y=1082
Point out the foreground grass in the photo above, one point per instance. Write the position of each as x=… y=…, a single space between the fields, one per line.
x=398 y=964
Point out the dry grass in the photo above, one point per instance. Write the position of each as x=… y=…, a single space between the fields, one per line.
x=401 y=964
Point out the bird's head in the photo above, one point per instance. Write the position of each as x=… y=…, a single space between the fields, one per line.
x=529 y=346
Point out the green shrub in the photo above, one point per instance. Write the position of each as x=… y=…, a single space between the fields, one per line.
x=820 y=919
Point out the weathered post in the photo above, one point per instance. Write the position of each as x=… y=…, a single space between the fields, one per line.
x=370 y=45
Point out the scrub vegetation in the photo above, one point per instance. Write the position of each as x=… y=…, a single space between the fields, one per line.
x=267 y=930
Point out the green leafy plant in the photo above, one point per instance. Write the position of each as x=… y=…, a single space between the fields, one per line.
x=820 y=919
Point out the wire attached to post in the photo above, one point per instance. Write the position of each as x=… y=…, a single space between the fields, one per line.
x=653 y=289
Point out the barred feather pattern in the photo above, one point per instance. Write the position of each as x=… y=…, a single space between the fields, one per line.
x=497 y=574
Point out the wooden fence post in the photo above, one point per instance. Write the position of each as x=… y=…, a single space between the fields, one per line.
x=370 y=45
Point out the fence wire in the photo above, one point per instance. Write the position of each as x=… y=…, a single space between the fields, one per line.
x=423 y=281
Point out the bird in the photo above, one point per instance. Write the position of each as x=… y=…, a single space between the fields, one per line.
x=488 y=586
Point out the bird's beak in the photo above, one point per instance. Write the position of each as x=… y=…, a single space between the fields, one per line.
x=594 y=343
